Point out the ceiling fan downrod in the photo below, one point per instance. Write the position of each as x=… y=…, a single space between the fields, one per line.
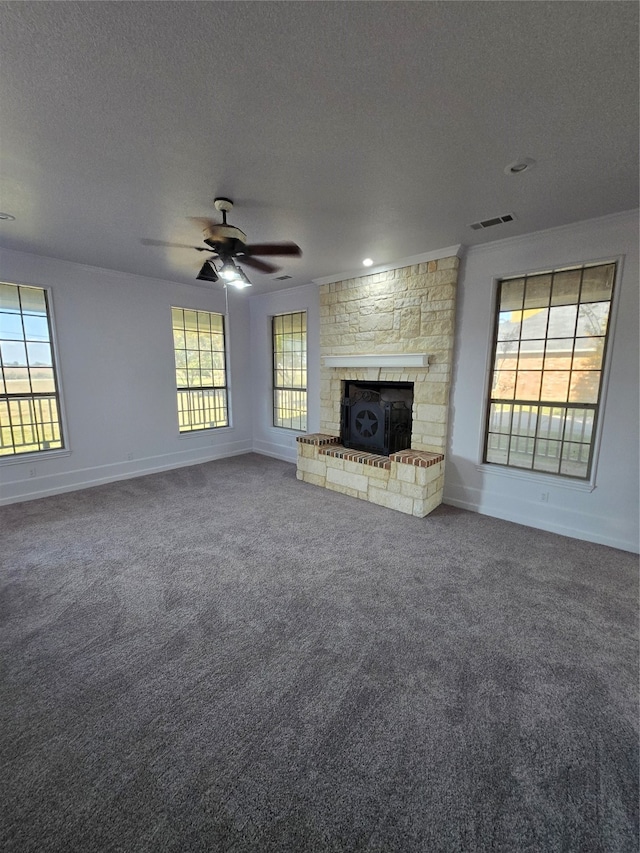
x=223 y=205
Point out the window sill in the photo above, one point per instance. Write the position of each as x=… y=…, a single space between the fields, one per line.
x=39 y=455
x=537 y=477
x=194 y=433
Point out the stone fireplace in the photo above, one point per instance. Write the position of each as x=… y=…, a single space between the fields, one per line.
x=389 y=330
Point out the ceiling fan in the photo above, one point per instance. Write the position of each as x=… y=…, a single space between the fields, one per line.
x=229 y=247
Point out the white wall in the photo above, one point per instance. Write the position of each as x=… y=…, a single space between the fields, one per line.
x=267 y=439
x=116 y=366
x=609 y=513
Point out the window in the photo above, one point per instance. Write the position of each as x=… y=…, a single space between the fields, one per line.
x=201 y=374
x=546 y=382
x=29 y=400
x=290 y=370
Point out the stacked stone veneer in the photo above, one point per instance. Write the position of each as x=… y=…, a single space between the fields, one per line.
x=410 y=481
x=406 y=310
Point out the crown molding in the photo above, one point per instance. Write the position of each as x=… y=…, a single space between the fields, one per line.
x=570 y=227
x=448 y=252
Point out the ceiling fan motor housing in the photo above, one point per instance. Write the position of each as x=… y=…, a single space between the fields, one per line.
x=225 y=237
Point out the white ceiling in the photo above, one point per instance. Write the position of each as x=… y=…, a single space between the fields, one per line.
x=355 y=129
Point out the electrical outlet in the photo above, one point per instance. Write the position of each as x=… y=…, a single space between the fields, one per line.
x=32 y=472
x=129 y=457
x=544 y=497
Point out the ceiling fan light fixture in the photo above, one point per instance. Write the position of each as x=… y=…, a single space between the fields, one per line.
x=229 y=271
x=208 y=272
x=241 y=281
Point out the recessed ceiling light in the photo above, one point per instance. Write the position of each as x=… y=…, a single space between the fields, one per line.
x=7 y=216
x=367 y=262
x=519 y=166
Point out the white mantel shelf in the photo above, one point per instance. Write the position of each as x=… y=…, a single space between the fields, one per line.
x=399 y=360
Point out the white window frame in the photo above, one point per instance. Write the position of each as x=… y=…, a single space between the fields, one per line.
x=65 y=449
x=198 y=430
x=274 y=387
x=539 y=477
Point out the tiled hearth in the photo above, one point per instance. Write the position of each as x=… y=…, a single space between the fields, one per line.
x=393 y=326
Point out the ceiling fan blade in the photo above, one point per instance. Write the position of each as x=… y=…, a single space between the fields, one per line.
x=146 y=242
x=273 y=249
x=203 y=222
x=258 y=265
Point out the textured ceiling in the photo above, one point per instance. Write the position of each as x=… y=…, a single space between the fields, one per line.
x=353 y=128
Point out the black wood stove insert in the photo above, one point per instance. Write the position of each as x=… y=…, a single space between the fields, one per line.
x=376 y=416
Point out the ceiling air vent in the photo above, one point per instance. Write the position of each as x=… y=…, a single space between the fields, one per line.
x=489 y=223
x=282 y=277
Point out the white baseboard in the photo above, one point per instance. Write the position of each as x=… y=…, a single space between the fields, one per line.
x=586 y=534
x=53 y=484
x=277 y=451
x=85 y=478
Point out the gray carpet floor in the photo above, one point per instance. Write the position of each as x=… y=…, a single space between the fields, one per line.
x=222 y=658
